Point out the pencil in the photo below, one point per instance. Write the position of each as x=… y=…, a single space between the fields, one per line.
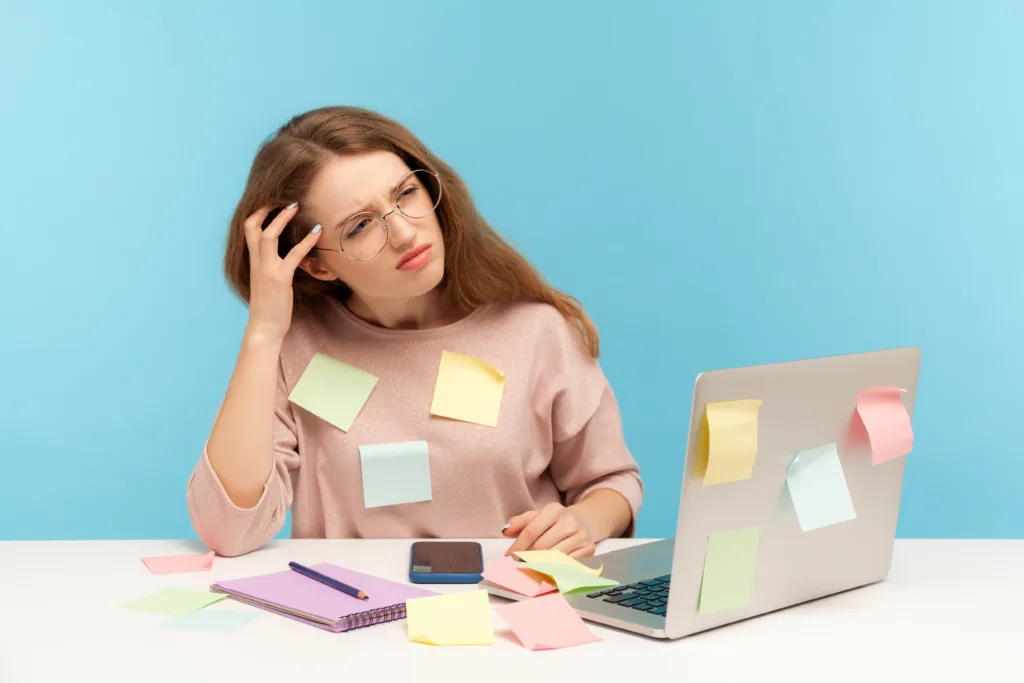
x=328 y=581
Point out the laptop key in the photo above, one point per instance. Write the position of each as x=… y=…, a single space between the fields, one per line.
x=618 y=598
x=635 y=586
x=662 y=594
x=651 y=582
x=659 y=602
x=665 y=578
x=661 y=609
x=644 y=606
x=633 y=601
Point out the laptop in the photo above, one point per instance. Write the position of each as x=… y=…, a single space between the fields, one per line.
x=805 y=404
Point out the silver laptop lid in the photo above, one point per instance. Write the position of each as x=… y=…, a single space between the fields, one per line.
x=805 y=404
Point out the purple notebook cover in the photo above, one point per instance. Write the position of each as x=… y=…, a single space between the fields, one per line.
x=291 y=590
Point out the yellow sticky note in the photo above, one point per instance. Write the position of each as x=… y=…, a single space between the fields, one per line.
x=731 y=440
x=467 y=389
x=568 y=578
x=450 y=619
x=556 y=557
x=332 y=390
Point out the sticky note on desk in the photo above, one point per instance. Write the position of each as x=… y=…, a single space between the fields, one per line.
x=818 y=488
x=886 y=421
x=179 y=564
x=332 y=390
x=450 y=619
x=731 y=440
x=395 y=473
x=514 y=576
x=546 y=623
x=467 y=389
x=220 y=621
x=729 y=563
x=556 y=557
x=569 y=578
x=174 y=602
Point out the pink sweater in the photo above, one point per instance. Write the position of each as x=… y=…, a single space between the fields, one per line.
x=558 y=437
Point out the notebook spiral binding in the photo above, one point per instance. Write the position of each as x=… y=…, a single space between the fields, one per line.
x=375 y=616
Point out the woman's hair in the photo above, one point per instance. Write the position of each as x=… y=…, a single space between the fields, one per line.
x=480 y=267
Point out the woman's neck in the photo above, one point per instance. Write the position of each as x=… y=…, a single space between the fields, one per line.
x=428 y=310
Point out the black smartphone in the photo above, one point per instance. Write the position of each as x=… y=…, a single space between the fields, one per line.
x=446 y=562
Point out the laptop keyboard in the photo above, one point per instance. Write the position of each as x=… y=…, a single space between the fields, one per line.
x=647 y=596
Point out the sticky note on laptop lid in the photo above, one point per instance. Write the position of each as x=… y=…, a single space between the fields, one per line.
x=886 y=421
x=729 y=563
x=332 y=390
x=467 y=389
x=817 y=487
x=730 y=440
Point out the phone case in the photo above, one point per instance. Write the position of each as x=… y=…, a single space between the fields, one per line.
x=442 y=562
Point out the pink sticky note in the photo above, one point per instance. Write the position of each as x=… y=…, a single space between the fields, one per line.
x=179 y=564
x=512 y=576
x=886 y=421
x=546 y=623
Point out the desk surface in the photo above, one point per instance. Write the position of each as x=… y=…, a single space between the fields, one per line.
x=949 y=607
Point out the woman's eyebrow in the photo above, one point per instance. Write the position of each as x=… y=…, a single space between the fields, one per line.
x=367 y=208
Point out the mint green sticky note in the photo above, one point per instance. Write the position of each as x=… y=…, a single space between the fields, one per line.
x=395 y=473
x=175 y=601
x=332 y=390
x=209 y=621
x=729 y=563
x=818 y=488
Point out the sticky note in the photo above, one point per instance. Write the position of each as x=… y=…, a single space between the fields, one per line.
x=569 y=578
x=546 y=623
x=818 y=488
x=395 y=473
x=729 y=563
x=886 y=421
x=333 y=391
x=513 y=576
x=450 y=619
x=731 y=440
x=179 y=564
x=219 y=621
x=174 y=602
x=467 y=389
x=556 y=557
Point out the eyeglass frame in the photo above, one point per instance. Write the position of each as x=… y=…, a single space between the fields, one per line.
x=384 y=216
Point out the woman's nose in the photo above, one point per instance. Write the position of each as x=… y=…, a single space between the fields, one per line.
x=402 y=231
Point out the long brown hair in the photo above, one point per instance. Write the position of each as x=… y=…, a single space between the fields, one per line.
x=480 y=267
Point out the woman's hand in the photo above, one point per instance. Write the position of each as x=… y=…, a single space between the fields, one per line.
x=270 y=276
x=555 y=527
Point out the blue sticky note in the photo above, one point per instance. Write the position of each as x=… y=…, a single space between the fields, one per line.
x=209 y=621
x=395 y=473
x=818 y=488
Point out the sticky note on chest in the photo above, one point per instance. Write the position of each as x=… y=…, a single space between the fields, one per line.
x=731 y=440
x=395 y=473
x=467 y=389
x=333 y=391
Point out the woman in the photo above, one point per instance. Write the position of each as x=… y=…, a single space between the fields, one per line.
x=381 y=261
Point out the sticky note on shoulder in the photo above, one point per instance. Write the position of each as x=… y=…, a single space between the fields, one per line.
x=731 y=440
x=450 y=619
x=729 y=563
x=467 y=389
x=817 y=487
x=886 y=421
x=333 y=391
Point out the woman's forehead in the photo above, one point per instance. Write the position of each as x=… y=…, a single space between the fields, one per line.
x=352 y=182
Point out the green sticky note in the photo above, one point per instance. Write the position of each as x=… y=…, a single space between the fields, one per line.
x=568 y=578
x=209 y=621
x=175 y=601
x=395 y=473
x=729 y=563
x=818 y=488
x=333 y=391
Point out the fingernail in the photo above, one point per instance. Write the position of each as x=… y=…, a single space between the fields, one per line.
x=316 y=228
x=292 y=205
x=507 y=526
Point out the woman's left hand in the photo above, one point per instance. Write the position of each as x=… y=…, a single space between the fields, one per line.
x=554 y=527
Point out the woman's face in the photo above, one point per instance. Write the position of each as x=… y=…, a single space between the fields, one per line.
x=405 y=259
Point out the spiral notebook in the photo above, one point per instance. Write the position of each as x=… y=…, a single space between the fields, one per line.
x=298 y=597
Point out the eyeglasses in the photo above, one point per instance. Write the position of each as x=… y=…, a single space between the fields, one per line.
x=365 y=234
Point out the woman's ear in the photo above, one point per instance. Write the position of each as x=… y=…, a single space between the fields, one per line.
x=315 y=268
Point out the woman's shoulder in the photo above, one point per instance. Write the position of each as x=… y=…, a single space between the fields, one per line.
x=534 y=315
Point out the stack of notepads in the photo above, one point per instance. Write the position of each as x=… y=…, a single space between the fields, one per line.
x=293 y=595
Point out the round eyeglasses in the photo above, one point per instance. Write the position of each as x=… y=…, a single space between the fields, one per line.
x=365 y=234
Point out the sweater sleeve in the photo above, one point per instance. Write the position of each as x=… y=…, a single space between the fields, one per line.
x=589 y=449
x=231 y=530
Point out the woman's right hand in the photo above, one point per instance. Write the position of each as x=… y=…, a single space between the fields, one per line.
x=270 y=276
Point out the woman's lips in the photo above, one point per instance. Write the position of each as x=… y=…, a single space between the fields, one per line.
x=417 y=258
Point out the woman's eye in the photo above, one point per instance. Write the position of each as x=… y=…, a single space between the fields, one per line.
x=409 y=191
x=358 y=228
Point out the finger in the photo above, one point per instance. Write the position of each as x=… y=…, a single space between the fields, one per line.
x=252 y=228
x=302 y=249
x=541 y=523
x=580 y=553
x=519 y=522
x=561 y=530
x=572 y=543
x=276 y=227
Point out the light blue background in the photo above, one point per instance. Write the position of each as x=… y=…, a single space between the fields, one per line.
x=722 y=184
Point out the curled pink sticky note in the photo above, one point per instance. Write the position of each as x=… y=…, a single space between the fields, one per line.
x=179 y=564
x=886 y=422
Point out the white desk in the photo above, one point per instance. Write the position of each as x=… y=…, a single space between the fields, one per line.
x=954 y=609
